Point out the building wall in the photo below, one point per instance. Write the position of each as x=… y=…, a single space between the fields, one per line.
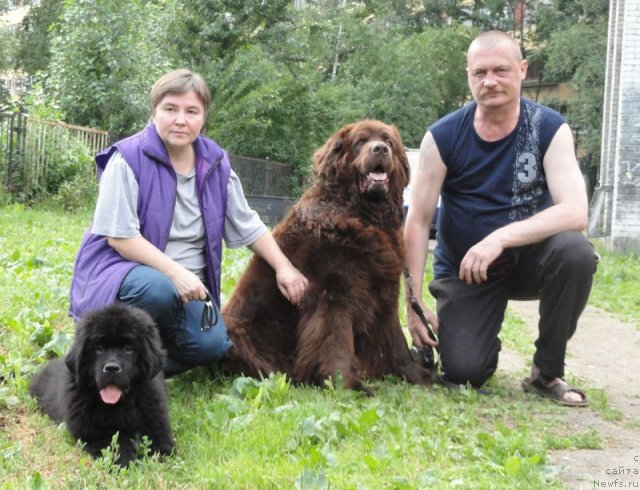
x=619 y=213
x=546 y=92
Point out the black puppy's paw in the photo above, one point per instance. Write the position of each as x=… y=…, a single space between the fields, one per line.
x=166 y=448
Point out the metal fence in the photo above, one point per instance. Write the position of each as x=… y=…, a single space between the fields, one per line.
x=12 y=130
x=45 y=139
x=266 y=184
x=262 y=177
x=28 y=146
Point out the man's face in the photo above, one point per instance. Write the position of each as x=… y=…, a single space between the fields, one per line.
x=495 y=74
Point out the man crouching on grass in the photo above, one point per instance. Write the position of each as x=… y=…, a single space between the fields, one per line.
x=513 y=209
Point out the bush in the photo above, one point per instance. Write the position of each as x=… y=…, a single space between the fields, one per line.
x=65 y=163
x=77 y=193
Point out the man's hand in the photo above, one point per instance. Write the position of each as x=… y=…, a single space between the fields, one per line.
x=418 y=330
x=475 y=264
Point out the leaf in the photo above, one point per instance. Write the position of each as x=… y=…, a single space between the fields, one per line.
x=512 y=466
x=368 y=419
x=428 y=478
x=371 y=461
x=310 y=427
x=312 y=480
x=59 y=344
x=8 y=400
x=36 y=482
x=244 y=387
x=400 y=483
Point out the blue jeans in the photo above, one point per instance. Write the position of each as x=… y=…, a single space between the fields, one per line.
x=179 y=323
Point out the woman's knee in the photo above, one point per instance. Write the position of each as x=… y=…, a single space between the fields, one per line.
x=150 y=290
x=196 y=347
x=213 y=345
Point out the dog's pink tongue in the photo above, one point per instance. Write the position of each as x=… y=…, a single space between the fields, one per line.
x=110 y=394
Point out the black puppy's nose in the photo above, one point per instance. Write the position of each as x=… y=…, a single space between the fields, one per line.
x=380 y=147
x=112 y=367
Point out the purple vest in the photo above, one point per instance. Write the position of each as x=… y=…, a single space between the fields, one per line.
x=99 y=269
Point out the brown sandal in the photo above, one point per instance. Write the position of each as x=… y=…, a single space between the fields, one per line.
x=555 y=393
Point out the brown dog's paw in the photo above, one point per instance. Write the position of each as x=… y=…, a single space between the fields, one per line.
x=417 y=374
x=365 y=390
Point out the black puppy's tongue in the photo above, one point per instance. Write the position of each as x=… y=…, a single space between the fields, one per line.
x=110 y=394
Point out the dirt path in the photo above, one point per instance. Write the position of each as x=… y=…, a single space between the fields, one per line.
x=605 y=353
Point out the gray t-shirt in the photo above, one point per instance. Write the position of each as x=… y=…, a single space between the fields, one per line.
x=186 y=237
x=116 y=214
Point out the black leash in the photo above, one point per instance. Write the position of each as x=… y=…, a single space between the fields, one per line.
x=209 y=314
x=427 y=354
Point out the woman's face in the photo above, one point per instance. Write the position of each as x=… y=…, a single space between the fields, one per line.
x=179 y=119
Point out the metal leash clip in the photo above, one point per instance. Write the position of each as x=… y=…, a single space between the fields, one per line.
x=209 y=314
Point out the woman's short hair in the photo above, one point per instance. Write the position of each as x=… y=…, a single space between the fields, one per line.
x=180 y=81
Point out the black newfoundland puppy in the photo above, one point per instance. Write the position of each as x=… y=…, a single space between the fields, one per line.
x=110 y=382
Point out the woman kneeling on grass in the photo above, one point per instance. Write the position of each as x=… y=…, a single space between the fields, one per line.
x=167 y=198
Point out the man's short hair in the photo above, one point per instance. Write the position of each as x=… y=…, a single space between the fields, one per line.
x=488 y=39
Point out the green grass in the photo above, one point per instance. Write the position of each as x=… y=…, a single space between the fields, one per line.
x=262 y=434
x=616 y=286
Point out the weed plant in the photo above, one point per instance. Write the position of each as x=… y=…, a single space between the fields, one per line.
x=243 y=433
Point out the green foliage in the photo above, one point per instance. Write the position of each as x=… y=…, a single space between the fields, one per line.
x=103 y=62
x=207 y=30
x=41 y=105
x=7 y=56
x=80 y=192
x=284 y=78
x=36 y=259
x=574 y=36
x=7 y=400
x=33 y=53
x=423 y=89
x=68 y=164
x=269 y=95
x=259 y=104
x=6 y=50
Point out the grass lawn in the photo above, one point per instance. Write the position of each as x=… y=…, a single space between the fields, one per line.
x=237 y=433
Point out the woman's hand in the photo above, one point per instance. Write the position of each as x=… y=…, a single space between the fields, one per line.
x=188 y=284
x=140 y=250
x=291 y=282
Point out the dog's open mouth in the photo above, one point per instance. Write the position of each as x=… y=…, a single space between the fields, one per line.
x=110 y=394
x=374 y=181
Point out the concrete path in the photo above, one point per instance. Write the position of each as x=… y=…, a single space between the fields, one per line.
x=605 y=352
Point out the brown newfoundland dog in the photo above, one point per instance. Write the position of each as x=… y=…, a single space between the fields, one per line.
x=345 y=235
